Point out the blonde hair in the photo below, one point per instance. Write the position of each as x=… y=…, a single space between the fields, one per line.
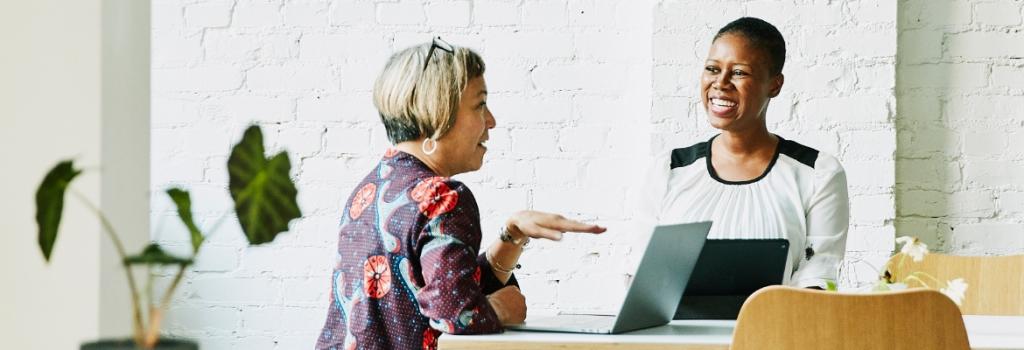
x=418 y=99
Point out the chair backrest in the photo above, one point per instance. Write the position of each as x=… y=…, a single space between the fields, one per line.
x=995 y=284
x=779 y=317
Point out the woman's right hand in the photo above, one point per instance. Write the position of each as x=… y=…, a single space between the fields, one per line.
x=535 y=224
x=510 y=305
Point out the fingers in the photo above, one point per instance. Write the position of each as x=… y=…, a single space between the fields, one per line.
x=536 y=224
x=566 y=225
x=533 y=230
x=544 y=232
x=560 y=223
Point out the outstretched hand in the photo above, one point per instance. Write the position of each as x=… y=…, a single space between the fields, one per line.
x=535 y=224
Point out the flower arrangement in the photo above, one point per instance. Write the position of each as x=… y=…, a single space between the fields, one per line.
x=916 y=250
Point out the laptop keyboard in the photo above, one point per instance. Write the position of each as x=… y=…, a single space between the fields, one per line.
x=585 y=321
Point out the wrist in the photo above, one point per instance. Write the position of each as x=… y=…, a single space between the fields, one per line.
x=513 y=229
x=511 y=234
x=497 y=266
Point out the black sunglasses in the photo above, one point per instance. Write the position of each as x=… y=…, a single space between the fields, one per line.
x=437 y=44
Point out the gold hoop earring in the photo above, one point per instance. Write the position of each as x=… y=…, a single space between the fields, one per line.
x=433 y=146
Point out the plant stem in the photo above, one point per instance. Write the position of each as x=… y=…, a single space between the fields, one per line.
x=921 y=273
x=149 y=285
x=156 y=313
x=166 y=301
x=212 y=231
x=109 y=228
x=915 y=278
x=153 y=333
x=150 y=297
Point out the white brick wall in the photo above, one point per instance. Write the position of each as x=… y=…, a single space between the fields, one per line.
x=959 y=158
x=582 y=90
x=838 y=95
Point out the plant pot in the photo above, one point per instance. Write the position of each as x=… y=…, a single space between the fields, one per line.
x=128 y=344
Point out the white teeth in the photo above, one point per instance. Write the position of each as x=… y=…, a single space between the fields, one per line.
x=722 y=103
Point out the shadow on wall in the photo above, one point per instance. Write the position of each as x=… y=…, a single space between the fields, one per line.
x=926 y=170
x=957 y=168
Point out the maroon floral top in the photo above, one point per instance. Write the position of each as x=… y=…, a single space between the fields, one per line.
x=408 y=266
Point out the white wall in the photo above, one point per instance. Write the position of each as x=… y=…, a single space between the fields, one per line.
x=960 y=173
x=75 y=85
x=838 y=97
x=124 y=176
x=569 y=85
x=64 y=294
x=582 y=91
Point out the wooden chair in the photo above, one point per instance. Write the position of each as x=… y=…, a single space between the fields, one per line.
x=995 y=284
x=788 y=318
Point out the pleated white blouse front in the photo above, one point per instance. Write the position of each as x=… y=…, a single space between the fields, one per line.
x=801 y=197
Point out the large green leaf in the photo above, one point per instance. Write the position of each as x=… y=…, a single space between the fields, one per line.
x=263 y=191
x=183 y=201
x=50 y=203
x=154 y=255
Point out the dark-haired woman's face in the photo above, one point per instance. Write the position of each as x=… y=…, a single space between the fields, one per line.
x=737 y=83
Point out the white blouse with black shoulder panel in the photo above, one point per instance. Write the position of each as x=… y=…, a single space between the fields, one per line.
x=801 y=197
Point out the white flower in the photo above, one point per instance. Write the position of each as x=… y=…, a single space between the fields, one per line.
x=955 y=290
x=913 y=247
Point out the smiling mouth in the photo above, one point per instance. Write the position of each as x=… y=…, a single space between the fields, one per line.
x=722 y=103
x=721 y=108
x=482 y=144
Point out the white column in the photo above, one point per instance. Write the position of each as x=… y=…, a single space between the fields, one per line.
x=74 y=83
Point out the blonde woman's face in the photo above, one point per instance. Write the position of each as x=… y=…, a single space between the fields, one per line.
x=462 y=148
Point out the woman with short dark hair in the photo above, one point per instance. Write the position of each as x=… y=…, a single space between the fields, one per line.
x=408 y=265
x=748 y=181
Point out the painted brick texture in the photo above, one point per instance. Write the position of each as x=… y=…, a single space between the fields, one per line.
x=960 y=94
x=582 y=92
x=838 y=97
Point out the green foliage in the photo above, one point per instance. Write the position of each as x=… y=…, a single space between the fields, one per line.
x=154 y=255
x=264 y=194
x=183 y=201
x=50 y=203
x=265 y=202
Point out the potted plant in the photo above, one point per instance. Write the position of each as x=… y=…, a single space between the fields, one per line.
x=265 y=202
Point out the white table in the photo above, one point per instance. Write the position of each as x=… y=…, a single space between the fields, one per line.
x=983 y=332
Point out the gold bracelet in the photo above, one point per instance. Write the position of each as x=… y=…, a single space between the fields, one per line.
x=496 y=266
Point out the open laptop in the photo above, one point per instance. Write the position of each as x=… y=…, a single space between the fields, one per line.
x=727 y=272
x=654 y=292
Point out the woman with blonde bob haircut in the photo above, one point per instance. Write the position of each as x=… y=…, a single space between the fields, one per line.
x=408 y=266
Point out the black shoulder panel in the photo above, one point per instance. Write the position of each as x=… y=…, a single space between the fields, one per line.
x=803 y=154
x=685 y=156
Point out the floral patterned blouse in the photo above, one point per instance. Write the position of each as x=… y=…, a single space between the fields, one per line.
x=408 y=266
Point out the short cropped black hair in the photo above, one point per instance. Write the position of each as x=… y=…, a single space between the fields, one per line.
x=762 y=35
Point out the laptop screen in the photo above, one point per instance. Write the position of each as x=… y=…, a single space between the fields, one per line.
x=727 y=272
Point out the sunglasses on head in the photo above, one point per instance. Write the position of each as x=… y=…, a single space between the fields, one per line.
x=437 y=44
